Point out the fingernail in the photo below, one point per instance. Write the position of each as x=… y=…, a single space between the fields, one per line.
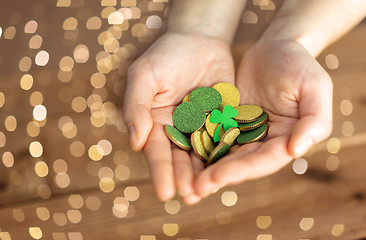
x=132 y=133
x=303 y=147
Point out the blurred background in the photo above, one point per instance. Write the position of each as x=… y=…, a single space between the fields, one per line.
x=67 y=170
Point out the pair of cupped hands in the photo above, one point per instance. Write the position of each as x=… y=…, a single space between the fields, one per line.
x=280 y=76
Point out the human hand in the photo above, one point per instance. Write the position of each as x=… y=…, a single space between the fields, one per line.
x=296 y=92
x=173 y=66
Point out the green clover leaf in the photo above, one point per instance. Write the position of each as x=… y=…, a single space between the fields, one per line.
x=224 y=118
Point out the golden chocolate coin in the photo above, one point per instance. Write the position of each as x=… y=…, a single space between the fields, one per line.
x=255 y=124
x=211 y=127
x=229 y=93
x=207 y=143
x=253 y=135
x=248 y=113
x=220 y=151
x=198 y=146
x=186 y=98
x=230 y=136
x=178 y=138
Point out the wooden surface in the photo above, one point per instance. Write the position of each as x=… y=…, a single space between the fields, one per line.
x=334 y=199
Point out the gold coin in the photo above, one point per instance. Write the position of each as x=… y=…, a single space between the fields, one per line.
x=198 y=146
x=186 y=98
x=230 y=136
x=248 y=113
x=207 y=143
x=211 y=127
x=220 y=151
x=229 y=93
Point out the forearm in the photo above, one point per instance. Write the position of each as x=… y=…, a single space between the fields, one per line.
x=315 y=24
x=216 y=18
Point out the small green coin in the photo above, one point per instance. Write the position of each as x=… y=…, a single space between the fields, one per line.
x=255 y=124
x=207 y=97
x=188 y=117
x=252 y=135
x=221 y=150
x=178 y=138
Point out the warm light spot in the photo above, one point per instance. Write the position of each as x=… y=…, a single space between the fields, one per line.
x=128 y=3
x=147 y=237
x=346 y=107
x=2 y=99
x=1 y=31
x=332 y=163
x=77 y=149
x=154 y=22
x=95 y=152
x=44 y=191
x=121 y=204
x=76 y=201
x=333 y=145
x=2 y=139
x=66 y=63
x=18 y=215
x=98 y=80
x=172 y=206
x=41 y=169
x=42 y=58
x=70 y=23
x=35 y=149
x=108 y=3
x=94 y=23
x=106 y=146
x=263 y=222
x=59 y=219
x=43 y=213
x=35 y=232
x=111 y=45
x=33 y=129
x=170 y=229
x=93 y=203
x=337 y=230
x=10 y=32
x=74 y=216
x=64 y=76
x=331 y=61
x=60 y=166
x=249 y=17
x=35 y=42
x=229 y=198
x=264 y=237
x=31 y=27
x=78 y=104
x=300 y=166
x=348 y=128
x=8 y=159
x=122 y=172
x=62 y=180
x=106 y=184
x=63 y=3
x=81 y=53
x=306 y=223
x=26 y=82
x=115 y=18
x=10 y=123
x=36 y=98
x=105 y=172
x=132 y=193
x=25 y=64
x=39 y=112
x=59 y=236
x=223 y=217
x=75 y=236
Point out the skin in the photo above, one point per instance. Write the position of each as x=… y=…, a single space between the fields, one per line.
x=280 y=71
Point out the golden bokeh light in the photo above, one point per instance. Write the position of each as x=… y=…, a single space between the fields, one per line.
x=31 y=27
x=35 y=149
x=106 y=184
x=35 y=232
x=94 y=23
x=306 y=223
x=300 y=166
x=10 y=32
x=333 y=145
x=8 y=159
x=264 y=222
x=43 y=213
x=59 y=219
x=346 y=107
x=41 y=169
x=25 y=64
x=70 y=23
x=2 y=99
x=98 y=80
x=18 y=215
x=332 y=163
x=229 y=198
x=26 y=82
x=81 y=53
x=76 y=201
x=74 y=216
x=62 y=180
x=77 y=149
x=60 y=166
x=39 y=112
x=122 y=172
x=66 y=64
x=10 y=123
x=154 y=22
x=44 y=191
x=172 y=206
x=63 y=3
x=93 y=203
x=348 y=128
x=264 y=237
x=35 y=42
x=105 y=172
x=170 y=229
x=2 y=139
x=36 y=98
x=95 y=153
x=42 y=58
x=337 y=230
x=33 y=129
x=331 y=61
x=249 y=17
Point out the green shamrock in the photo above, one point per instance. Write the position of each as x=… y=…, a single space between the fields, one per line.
x=224 y=118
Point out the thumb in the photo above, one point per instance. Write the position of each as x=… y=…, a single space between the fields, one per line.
x=315 y=108
x=139 y=95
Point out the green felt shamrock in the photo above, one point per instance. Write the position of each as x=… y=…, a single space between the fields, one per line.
x=224 y=118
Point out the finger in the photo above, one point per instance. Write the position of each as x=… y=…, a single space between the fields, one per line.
x=315 y=108
x=197 y=163
x=260 y=160
x=159 y=156
x=183 y=171
x=138 y=99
